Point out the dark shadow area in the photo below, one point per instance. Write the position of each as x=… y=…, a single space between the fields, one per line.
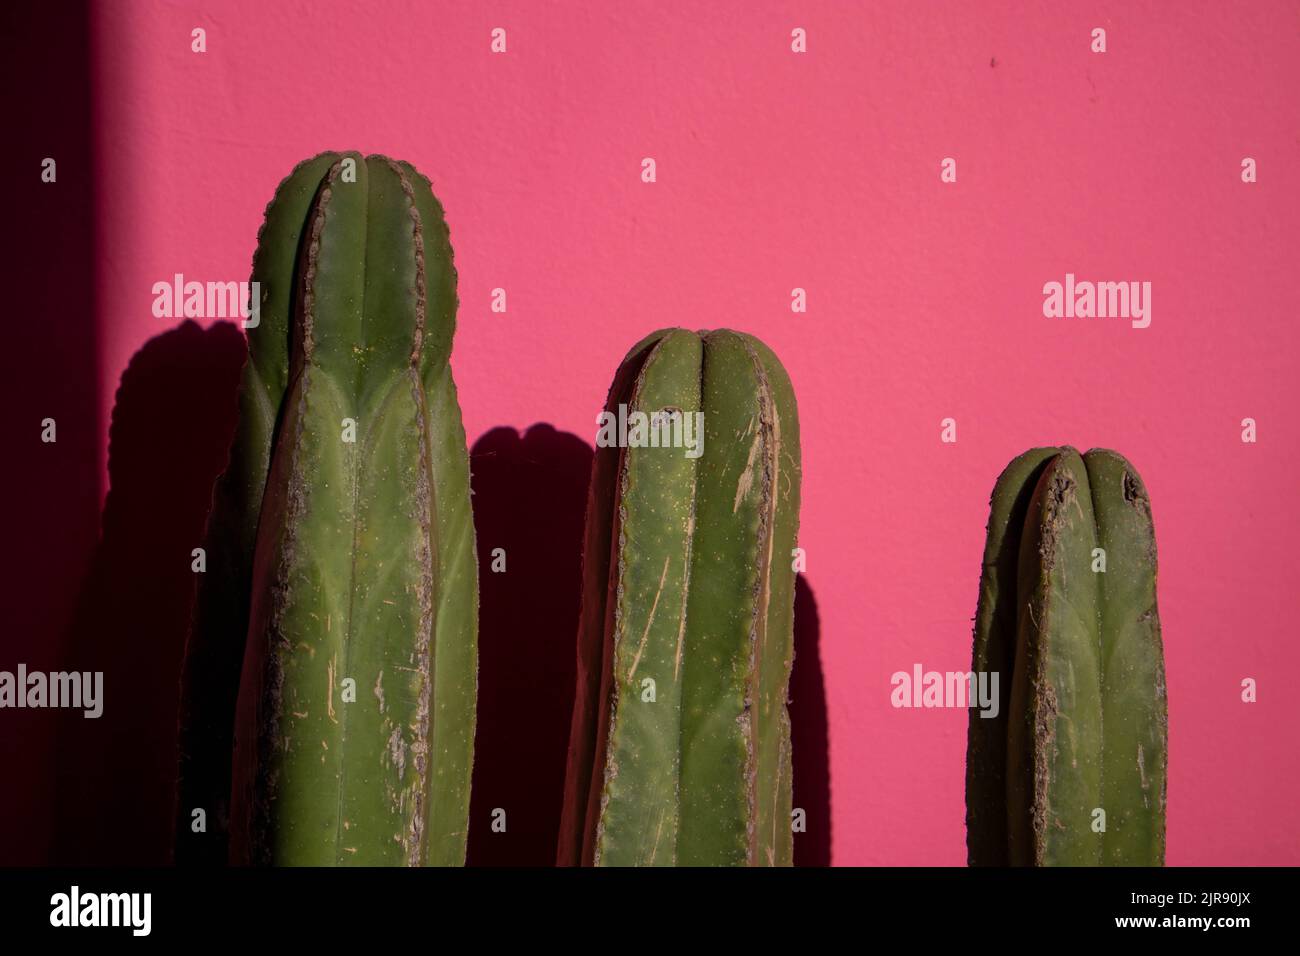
x=170 y=435
x=530 y=496
x=808 y=732
x=51 y=371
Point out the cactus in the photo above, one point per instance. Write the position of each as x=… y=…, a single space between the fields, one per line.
x=342 y=569
x=1067 y=617
x=679 y=751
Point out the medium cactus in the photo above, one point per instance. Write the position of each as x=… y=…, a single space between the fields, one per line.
x=1067 y=617
x=679 y=751
x=341 y=543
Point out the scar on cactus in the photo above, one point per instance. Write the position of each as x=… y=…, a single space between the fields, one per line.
x=336 y=563
x=1072 y=771
x=679 y=750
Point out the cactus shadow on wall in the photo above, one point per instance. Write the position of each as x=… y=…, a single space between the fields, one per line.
x=530 y=497
x=809 y=743
x=172 y=425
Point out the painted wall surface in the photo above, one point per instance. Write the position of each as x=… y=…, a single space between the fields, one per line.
x=779 y=170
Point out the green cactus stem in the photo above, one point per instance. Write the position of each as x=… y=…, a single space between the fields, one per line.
x=1072 y=771
x=679 y=751
x=341 y=596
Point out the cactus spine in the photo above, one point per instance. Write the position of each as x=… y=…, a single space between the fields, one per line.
x=342 y=544
x=1082 y=721
x=679 y=751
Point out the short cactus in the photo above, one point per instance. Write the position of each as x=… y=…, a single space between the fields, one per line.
x=1072 y=771
x=679 y=752
x=342 y=544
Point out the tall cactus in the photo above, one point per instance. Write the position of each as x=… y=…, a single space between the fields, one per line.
x=342 y=569
x=679 y=751
x=1072 y=770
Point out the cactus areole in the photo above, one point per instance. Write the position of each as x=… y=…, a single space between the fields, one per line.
x=343 y=542
x=679 y=751
x=1072 y=771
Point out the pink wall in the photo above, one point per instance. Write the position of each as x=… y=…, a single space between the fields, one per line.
x=778 y=170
